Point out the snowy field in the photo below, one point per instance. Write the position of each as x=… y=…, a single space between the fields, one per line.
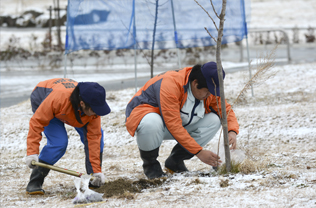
x=277 y=135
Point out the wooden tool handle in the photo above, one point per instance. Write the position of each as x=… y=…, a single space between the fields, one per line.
x=62 y=170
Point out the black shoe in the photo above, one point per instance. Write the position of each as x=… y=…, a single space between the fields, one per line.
x=174 y=163
x=34 y=187
x=93 y=186
x=151 y=165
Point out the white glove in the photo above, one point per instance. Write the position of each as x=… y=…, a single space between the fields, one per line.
x=29 y=159
x=99 y=179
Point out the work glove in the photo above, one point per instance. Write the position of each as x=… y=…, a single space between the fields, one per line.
x=29 y=159
x=99 y=179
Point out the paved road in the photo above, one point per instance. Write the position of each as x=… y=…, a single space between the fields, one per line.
x=14 y=93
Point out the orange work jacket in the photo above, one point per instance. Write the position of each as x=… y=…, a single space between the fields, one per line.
x=166 y=94
x=50 y=99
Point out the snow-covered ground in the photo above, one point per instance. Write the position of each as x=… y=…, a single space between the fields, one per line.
x=277 y=135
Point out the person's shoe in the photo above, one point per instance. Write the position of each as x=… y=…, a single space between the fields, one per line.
x=174 y=163
x=151 y=165
x=34 y=187
x=93 y=186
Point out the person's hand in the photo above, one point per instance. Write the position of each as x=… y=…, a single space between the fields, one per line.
x=232 y=139
x=29 y=159
x=99 y=179
x=209 y=158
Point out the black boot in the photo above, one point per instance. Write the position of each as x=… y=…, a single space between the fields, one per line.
x=34 y=187
x=151 y=165
x=174 y=162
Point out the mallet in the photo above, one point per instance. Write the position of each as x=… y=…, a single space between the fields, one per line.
x=62 y=170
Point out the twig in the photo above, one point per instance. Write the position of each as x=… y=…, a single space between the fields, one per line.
x=207 y=14
x=210 y=34
x=214 y=9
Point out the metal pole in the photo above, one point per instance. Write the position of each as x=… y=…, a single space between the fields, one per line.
x=135 y=46
x=175 y=34
x=50 y=27
x=241 y=51
x=65 y=66
x=58 y=26
x=153 y=44
x=250 y=74
x=285 y=35
x=66 y=44
x=246 y=33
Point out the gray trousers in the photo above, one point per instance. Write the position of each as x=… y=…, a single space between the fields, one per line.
x=151 y=131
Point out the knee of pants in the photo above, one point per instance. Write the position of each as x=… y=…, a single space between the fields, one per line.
x=210 y=120
x=149 y=132
x=151 y=123
x=51 y=153
x=204 y=130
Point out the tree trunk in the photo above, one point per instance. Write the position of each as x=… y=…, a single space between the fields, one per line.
x=221 y=84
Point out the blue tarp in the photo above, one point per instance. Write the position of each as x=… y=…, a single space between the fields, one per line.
x=119 y=24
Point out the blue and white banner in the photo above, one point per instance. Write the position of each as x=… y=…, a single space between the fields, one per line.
x=118 y=24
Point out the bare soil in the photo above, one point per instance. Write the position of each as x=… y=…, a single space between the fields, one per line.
x=120 y=186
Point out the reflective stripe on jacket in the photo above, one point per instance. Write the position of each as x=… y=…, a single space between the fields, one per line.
x=166 y=94
x=50 y=99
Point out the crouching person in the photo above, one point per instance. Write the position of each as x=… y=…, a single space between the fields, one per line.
x=54 y=103
x=178 y=105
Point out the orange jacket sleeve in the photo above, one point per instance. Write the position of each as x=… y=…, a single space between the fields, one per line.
x=94 y=140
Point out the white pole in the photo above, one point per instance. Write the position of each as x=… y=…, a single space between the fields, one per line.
x=65 y=66
x=135 y=61
x=250 y=74
x=245 y=22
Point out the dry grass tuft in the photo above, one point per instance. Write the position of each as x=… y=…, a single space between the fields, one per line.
x=224 y=183
x=247 y=166
x=234 y=168
x=250 y=166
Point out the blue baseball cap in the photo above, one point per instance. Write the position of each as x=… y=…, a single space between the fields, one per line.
x=209 y=71
x=94 y=94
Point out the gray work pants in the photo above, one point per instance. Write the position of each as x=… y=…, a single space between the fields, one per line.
x=151 y=131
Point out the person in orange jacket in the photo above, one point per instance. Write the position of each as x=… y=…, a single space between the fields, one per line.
x=180 y=105
x=61 y=101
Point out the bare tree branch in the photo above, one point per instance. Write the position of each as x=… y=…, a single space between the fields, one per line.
x=210 y=34
x=207 y=14
x=214 y=9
